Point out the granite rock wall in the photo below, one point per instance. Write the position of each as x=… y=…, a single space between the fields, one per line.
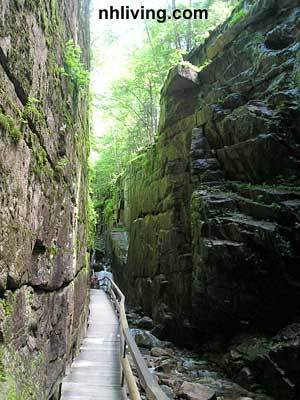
x=43 y=195
x=212 y=209
x=211 y=213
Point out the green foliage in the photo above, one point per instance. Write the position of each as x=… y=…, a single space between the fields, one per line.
x=92 y=222
x=275 y=205
x=146 y=162
x=258 y=38
x=29 y=296
x=109 y=209
x=6 y=307
x=73 y=67
x=8 y=123
x=189 y=65
x=204 y=65
x=53 y=8
x=61 y=165
x=238 y=16
x=53 y=251
x=32 y=112
x=5 y=121
x=130 y=107
x=238 y=5
x=41 y=158
x=11 y=393
x=44 y=20
x=63 y=162
x=8 y=379
x=31 y=105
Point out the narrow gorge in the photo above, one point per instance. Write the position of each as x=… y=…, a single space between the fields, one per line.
x=200 y=224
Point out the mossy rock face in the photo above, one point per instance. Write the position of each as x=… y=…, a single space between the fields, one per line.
x=44 y=232
x=8 y=124
x=25 y=316
x=216 y=201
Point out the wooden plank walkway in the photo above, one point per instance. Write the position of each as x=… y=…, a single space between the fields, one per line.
x=96 y=372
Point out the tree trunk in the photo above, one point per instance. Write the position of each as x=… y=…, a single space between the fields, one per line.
x=177 y=40
x=189 y=31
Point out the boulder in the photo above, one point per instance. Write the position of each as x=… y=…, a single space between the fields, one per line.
x=159 y=352
x=272 y=362
x=279 y=38
x=145 y=323
x=147 y=340
x=196 y=391
x=180 y=78
x=166 y=366
x=168 y=391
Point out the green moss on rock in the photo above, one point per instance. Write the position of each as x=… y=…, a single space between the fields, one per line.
x=237 y=17
x=6 y=307
x=8 y=124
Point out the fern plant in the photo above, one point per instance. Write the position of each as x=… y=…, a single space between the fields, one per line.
x=73 y=67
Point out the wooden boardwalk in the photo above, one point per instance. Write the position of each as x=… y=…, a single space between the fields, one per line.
x=96 y=372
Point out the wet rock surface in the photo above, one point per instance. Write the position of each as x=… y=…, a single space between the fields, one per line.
x=145 y=339
x=272 y=362
x=184 y=374
x=195 y=391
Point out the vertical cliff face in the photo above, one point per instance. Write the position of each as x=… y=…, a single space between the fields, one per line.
x=210 y=213
x=43 y=193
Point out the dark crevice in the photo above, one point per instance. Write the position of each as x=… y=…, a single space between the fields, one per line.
x=11 y=284
x=39 y=248
x=40 y=289
x=18 y=88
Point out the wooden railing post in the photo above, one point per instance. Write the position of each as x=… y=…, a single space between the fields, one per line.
x=151 y=387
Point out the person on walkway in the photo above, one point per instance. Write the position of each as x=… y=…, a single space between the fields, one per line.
x=102 y=274
x=94 y=281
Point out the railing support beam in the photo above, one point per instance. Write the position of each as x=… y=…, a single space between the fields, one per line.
x=152 y=389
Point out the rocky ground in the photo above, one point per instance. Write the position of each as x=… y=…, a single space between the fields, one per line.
x=184 y=374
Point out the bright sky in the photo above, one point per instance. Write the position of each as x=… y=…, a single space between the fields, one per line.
x=130 y=33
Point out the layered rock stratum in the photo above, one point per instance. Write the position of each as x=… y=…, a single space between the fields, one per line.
x=206 y=233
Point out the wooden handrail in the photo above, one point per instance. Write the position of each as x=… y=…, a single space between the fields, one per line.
x=149 y=384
